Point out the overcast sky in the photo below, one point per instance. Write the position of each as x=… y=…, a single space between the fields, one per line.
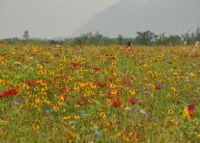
x=47 y=18
x=64 y=18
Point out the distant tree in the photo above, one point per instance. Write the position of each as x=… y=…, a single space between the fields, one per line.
x=26 y=35
x=145 y=38
x=197 y=34
x=120 y=40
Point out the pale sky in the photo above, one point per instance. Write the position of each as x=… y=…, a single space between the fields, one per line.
x=47 y=18
x=64 y=18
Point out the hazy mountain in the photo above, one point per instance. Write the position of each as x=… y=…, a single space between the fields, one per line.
x=129 y=16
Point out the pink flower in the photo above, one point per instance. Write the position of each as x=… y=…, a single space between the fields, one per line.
x=191 y=109
x=133 y=100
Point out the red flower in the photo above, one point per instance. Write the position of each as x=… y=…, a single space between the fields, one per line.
x=30 y=81
x=133 y=100
x=3 y=95
x=157 y=87
x=101 y=84
x=191 y=109
x=96 y=68
x=110 y=79
x=117 y=103
x=75 y=64
x=11 y=91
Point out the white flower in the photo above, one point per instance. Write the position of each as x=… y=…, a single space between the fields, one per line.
x=143 y=112
x=197 y=44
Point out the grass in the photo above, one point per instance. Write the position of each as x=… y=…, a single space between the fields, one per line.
x=66 y=94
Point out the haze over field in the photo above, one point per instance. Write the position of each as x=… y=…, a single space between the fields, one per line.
x=54 y=18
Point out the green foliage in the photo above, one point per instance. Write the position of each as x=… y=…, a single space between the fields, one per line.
x=142 y=38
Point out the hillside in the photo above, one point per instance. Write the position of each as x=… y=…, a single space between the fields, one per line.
x=159 y=16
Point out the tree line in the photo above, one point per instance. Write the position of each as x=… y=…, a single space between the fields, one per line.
x=142 y=38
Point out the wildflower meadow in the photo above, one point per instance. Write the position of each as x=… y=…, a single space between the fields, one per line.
x=96 y=94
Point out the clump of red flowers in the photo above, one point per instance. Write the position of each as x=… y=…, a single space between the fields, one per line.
x=133 y=100
x=117 y=103
x=191 y=109
x=75 y=64
x=11 y=91
x=157 y=87
x=96 y=68
x=101 y=84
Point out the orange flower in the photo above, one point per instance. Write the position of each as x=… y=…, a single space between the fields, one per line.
x=75 y=64
x=117 y=103
x=96 y=68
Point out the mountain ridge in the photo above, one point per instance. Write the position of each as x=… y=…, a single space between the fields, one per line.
x=159 y=16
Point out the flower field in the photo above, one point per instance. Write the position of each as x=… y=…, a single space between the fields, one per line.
x=111 y=94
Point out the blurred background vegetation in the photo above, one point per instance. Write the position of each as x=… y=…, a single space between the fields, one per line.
x=142 y=38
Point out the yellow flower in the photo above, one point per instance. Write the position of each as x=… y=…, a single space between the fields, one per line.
x=92 y=85
x=42 y=72
x=198 y=135
x=17 y=63
x=77 y=106
x=192 y=75
x=112 y=86
x=109 y=102
x=102 y=115
x=125 y=138
x=36 y=127
x=44 y=89
x=61 y=97
x=76 y=117
x=105 y=124
x=38 y=101
x=101 y=93
x=65 y=118
x=2 y=82
x=39 y=66
x=118 y=134
x=168 y=96
x=29 y=58
x=55 y=108
x=170 y=112
x=113 y=91
x=67 y=89
x=113 y=121
x=76 y=87
x=186 y=113
x=174 y=122
x=132 y=91
x=133 y=77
